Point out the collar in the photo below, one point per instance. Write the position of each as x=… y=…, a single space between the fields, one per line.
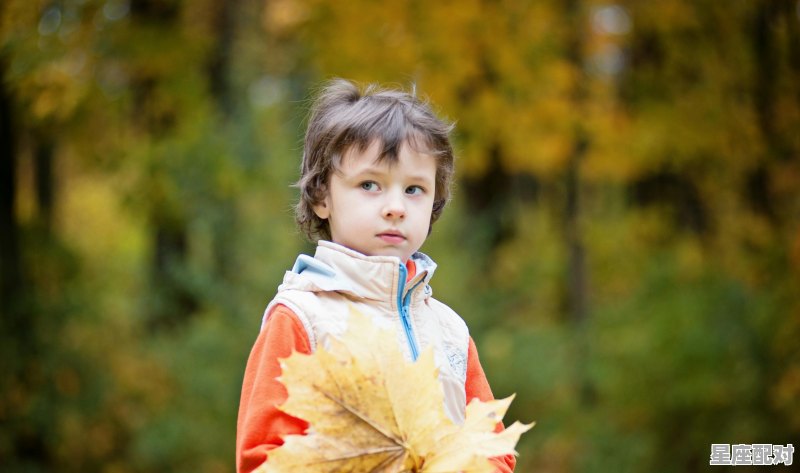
x=337 y=268
x=411 y=269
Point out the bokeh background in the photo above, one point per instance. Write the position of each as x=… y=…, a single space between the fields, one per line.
x=624 y=240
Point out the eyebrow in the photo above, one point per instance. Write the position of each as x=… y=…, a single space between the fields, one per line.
x=373 y=172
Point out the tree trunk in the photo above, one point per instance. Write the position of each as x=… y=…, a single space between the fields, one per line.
x=19 y=346
x=10 y=270
x=219 y=65
x=172 y=302
x=577 y=286
x=44 y=181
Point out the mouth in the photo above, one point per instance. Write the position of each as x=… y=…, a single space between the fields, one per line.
x=392 y=237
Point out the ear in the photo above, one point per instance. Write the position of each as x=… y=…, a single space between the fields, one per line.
x=322 y=209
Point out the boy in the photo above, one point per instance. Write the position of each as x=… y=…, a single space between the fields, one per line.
x=376 y=173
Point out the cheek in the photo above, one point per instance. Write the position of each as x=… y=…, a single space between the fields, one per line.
x=429 y=206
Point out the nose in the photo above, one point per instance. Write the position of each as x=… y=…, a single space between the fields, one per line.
x=394 y=207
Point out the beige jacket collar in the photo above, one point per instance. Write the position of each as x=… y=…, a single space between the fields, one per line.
x=338 y=268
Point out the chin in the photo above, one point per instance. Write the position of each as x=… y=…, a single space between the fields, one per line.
x=398 y=254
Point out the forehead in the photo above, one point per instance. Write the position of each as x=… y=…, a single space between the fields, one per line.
x=418 y=162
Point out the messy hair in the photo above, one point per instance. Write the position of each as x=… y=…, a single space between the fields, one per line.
x=344 y=116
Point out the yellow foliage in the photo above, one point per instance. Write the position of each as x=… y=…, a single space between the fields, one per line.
x=282 y=16
x=369 y=410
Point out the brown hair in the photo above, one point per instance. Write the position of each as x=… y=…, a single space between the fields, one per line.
x=343 y=116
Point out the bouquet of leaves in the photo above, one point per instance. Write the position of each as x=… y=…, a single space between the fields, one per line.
x=370 y=409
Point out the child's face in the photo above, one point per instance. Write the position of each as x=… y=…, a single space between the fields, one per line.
x=381 y=209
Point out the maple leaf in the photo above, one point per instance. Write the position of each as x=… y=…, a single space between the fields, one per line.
x=369 y=409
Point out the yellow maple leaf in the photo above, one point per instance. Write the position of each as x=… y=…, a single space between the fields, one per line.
x=371 y=410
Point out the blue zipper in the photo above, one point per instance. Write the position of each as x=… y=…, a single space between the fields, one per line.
x=402 y=307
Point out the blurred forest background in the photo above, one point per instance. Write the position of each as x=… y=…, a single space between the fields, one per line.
x=624 y=240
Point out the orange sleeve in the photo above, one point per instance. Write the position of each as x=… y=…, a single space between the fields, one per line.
x=477 y=386
x=261 y=426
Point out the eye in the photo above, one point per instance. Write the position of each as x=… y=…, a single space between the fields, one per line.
x=369 y=186
x=415 y=190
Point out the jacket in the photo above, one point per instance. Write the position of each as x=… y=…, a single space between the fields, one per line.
x=321 y=290
x=313 y=303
